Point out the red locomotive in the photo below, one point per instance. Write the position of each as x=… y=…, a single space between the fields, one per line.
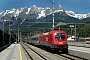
x=55 y=39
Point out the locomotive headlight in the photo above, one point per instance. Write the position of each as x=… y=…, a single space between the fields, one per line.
x=55 y=34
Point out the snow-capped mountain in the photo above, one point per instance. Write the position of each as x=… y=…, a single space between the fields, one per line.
x=42 y=12
x=14 y=12
x=34 y=13
x=79 y=16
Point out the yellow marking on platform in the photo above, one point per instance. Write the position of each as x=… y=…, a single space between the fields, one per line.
x=20 y=53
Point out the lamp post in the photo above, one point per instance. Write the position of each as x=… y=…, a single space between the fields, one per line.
x=18 y=34
x=71 y=28
x=3 y=32
x=9 y=33
x=75 y=32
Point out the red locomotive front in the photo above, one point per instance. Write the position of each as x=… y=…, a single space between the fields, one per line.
x=55 y=39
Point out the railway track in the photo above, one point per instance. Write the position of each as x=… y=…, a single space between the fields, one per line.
x=69 y=57
x=45 y=55
x=31 y=54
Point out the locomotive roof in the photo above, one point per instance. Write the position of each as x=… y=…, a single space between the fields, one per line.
x=46 y=33
x=58 y=31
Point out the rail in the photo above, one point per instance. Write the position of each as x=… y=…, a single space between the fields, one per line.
x=28 y=49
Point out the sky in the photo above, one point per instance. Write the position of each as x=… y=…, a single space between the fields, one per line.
x=78 y=6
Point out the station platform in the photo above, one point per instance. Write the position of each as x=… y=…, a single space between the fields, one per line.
x=80 y=51
x=13 y=52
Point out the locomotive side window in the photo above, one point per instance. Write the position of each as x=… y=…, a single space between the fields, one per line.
x=59 y=36
x=50 y=36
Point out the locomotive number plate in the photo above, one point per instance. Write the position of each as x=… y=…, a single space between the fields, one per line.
x=60 y=42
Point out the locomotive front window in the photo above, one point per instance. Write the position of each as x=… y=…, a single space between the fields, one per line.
x=59 y=36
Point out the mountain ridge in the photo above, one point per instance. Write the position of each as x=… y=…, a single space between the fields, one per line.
x=19 y=16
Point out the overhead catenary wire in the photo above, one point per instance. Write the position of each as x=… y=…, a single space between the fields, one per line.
x=50 y=1
x=84 y=9
x=82 y=3
x=78 y=4
x=75 y=3
x=45 y=3
x=52 y=12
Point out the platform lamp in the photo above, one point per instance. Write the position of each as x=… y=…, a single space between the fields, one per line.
x=3 y=32
x=71 y=26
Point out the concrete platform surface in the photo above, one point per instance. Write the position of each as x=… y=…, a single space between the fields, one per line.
x=80 y=52
x=13 y=52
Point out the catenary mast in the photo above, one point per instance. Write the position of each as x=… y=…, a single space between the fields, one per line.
x=53 y=14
